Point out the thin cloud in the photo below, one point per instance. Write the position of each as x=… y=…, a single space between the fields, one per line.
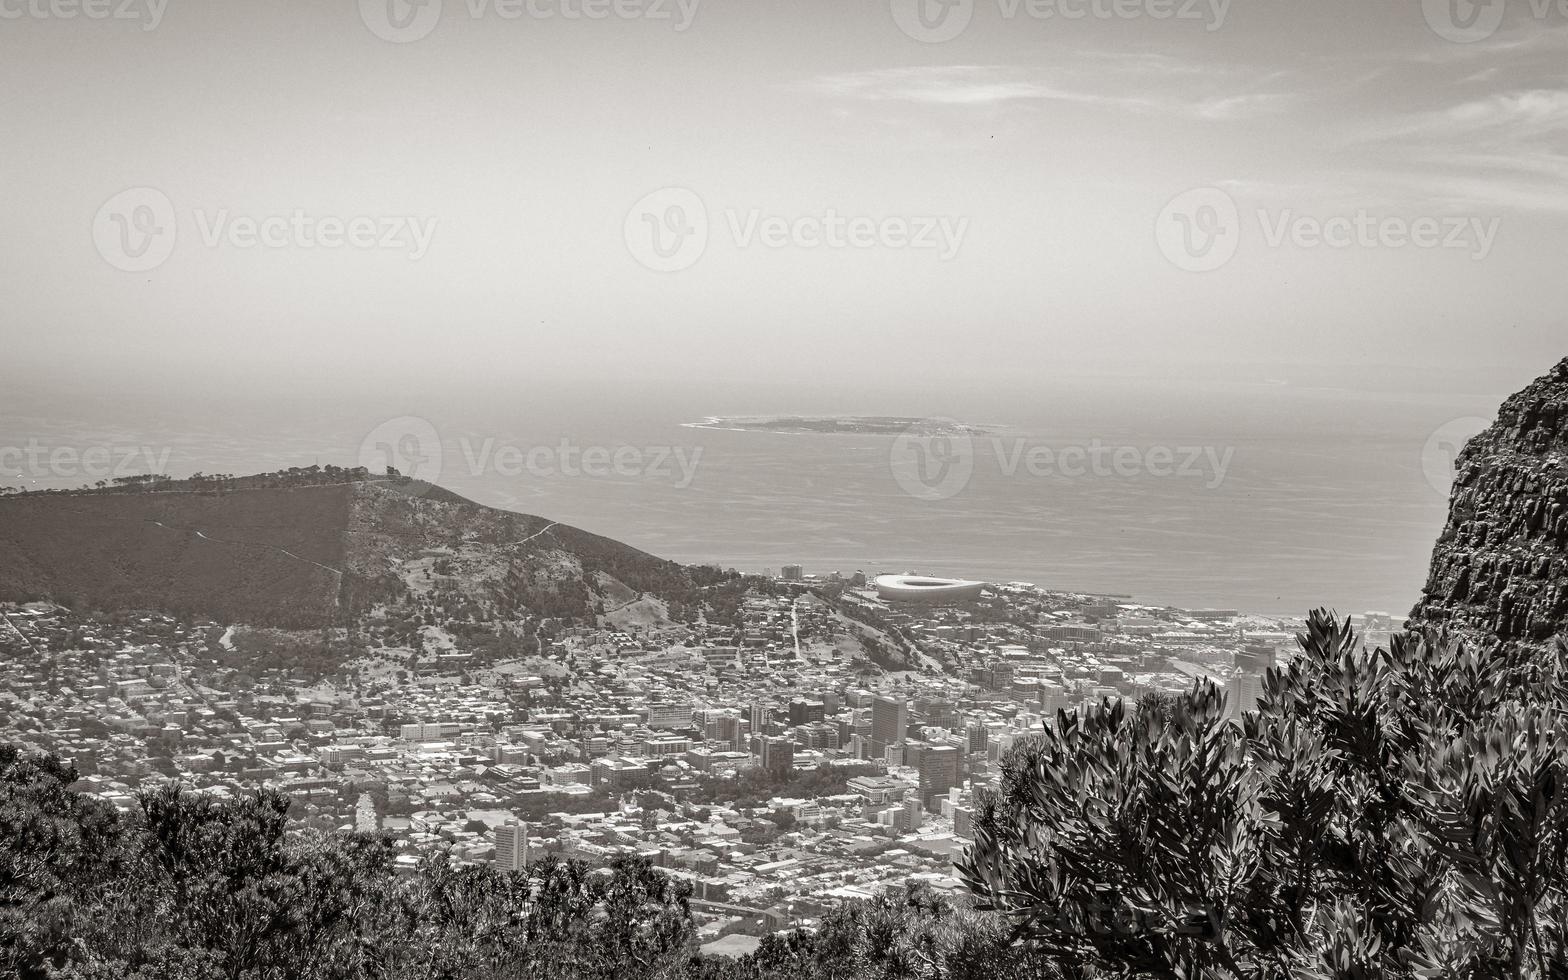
x=1518 y=115
x=1524 y=36
x=1396 y=132
x=990 y=85
x=1242 y=106
x=1505 y=150
x=1490 y=193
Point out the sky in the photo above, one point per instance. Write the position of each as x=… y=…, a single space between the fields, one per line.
x=268 y=198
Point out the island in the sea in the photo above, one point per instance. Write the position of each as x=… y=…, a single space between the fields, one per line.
x=860 y=425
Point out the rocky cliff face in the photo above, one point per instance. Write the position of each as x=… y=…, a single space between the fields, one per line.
x=1500 y=568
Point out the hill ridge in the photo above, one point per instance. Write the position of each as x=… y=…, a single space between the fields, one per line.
x=298 y=549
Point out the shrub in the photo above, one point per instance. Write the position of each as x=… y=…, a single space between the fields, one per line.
x=1381 y=813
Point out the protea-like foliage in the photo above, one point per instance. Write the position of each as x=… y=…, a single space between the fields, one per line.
x=1393 y=812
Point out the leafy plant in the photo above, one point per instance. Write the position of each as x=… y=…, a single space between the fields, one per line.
x=1393 y=812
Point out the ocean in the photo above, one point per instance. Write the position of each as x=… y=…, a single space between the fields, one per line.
x=1265 y=496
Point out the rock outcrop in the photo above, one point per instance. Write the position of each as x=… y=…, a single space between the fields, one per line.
x=1500 y=568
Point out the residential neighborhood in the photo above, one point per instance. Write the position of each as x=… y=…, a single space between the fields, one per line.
x=833 y=747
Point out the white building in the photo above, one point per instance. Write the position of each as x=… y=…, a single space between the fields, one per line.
x=431 y=731
x=511 y=846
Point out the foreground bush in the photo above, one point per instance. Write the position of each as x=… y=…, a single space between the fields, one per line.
x=193 y=888
x=1393 y=813
x=918 y=936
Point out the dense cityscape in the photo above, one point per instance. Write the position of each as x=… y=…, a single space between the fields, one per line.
x=834 y=747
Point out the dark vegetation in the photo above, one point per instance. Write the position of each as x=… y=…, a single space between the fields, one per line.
x=1396 y=813
x=223 y=556
x=319 y=547
x=197 y=889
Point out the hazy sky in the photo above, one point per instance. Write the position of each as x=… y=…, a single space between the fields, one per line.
x=1034 y=152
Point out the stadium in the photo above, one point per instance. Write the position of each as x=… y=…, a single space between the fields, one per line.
x=919 y=588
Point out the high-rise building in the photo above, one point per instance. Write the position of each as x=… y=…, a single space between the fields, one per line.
x=804 y=712
x=979 y=735
x=760 y=714
x=964 y=821
x=938 y=712
x=511 y=846
x=845 y=729
x=998 y=747
x=793 y=573
x=778 y=755
x=889 y=722
x=1253 y=663
x=1053 y=698
x=819 y=735
x=938 y=765
x=725 y=729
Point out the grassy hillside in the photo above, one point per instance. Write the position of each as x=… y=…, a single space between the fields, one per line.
x=288 y=550
x=263 y=555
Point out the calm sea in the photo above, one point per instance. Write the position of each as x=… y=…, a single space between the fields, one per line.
x=1298 y=495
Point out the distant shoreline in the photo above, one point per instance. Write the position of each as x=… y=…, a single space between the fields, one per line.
x=834 y=425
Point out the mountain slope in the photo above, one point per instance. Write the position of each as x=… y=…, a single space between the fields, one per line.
x=1500 y=568
x=284 y=552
